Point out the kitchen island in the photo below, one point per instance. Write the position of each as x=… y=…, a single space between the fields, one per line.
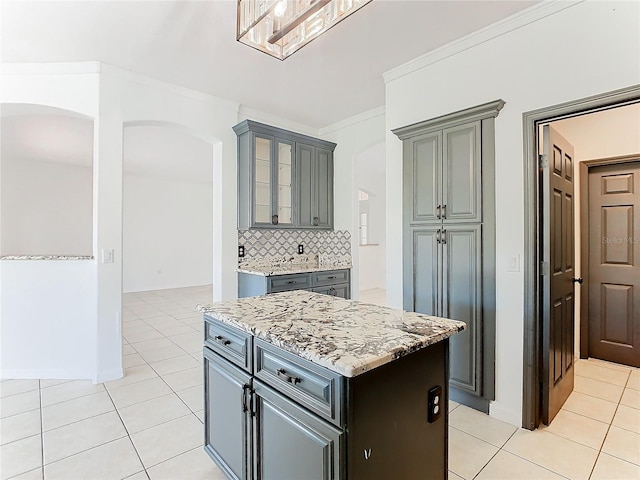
x=300 y=385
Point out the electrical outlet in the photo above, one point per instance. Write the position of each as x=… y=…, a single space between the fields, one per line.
x=241 y=250
x=300 y=249
x=435 y=403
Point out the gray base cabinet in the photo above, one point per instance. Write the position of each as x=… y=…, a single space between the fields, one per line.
x=332 y=282
x=224 y=412
x=285 y=418
x=291 y=443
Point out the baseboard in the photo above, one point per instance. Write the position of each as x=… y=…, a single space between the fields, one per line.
x=497 y=411
x=30 y=374
x=108 y=375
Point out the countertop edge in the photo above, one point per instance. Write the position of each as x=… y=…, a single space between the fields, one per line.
x=270 y=272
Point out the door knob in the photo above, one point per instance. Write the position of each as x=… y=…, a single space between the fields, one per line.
x=577 y=280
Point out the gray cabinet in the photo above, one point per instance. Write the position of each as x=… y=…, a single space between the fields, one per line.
x=285 y=179
x=227 y=422
x=290 y=442
x=330 y=282
x=314 y=184
x=285 y=417
x=449 y=238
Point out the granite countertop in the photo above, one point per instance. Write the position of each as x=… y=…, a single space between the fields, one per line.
x=268 y=271
x=46 y=257
x=345 y=336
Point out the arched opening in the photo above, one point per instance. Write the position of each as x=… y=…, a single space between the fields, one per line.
x=167 y=245
x=369 y=181
x=46 y=182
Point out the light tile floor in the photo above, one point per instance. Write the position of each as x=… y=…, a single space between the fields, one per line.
x=148 y=425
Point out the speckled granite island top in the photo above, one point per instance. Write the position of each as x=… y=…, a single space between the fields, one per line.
x=345 y=336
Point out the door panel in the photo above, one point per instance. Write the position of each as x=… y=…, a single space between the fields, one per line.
x=226 y=423
x=304 y=184
x=423 y=174
x=324 y=185
x=462 y=281
x=614 y=263
x=426 y=271
x=283 y=427
x=461 y=184
x=557 y=200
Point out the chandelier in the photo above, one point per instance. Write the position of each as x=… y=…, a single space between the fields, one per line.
x=280 y=27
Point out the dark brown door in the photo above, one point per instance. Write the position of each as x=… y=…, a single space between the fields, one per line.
x=614 y=263
x=557 y=273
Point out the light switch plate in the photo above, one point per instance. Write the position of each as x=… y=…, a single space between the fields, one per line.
x=513 y=264
x=107 y=255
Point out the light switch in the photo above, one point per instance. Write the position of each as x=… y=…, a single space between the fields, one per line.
x=513 y=264
x=107 y=255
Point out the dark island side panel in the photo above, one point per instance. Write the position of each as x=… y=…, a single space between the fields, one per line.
x=388 y=429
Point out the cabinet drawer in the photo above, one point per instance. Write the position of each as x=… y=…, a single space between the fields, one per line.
x=312 y=386
x=342 y=291
x=230 y=342
x=282 y=283
x=330 y=278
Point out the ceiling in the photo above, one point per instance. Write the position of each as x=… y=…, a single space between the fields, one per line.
x=192 y=44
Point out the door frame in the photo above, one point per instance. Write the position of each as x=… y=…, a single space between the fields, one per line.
x=532 y=355
x=585 y=168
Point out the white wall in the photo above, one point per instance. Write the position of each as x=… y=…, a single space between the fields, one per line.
x=369 y=176
x=47 y=208
x=167 y=233
x=48 y=319
x=556 y=58
x=353 y=136
x=48 y=313
x=605 y=134
x=116 y=98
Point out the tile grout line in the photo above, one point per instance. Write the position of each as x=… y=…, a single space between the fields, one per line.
x=128 y=434
x=609 y=427
x=41 y=429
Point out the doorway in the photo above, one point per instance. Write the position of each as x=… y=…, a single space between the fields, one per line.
x=610 y=239
x=534 y=370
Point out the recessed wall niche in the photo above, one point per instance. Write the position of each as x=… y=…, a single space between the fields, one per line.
x=46 y=181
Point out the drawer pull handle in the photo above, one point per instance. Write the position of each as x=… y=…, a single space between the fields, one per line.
x=221 y=340
x=287 y=378
x=291 y=282
x=332 y=277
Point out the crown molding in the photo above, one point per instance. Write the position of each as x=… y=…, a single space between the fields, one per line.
x=355 y=119
x=502 y=27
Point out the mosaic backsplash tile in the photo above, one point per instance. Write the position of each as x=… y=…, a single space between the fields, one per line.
x=273 y=247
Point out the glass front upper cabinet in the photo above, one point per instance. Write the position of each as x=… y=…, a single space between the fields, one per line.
x=272 y=185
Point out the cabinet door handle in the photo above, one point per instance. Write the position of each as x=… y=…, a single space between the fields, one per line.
x=287 y=378
x=316 y=222
x=438 y=240
x=438 y=208
x=444 y=212
x=444 y=236
x=332 y=291
x=274 y=220
x=221 y=340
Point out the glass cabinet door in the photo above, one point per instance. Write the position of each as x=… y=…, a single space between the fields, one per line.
x=262 y=181
x=284 y=179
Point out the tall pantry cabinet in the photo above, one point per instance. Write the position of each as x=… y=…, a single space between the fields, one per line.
x=449 y=238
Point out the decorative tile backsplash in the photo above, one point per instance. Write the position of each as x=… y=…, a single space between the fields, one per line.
x=328 y=247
